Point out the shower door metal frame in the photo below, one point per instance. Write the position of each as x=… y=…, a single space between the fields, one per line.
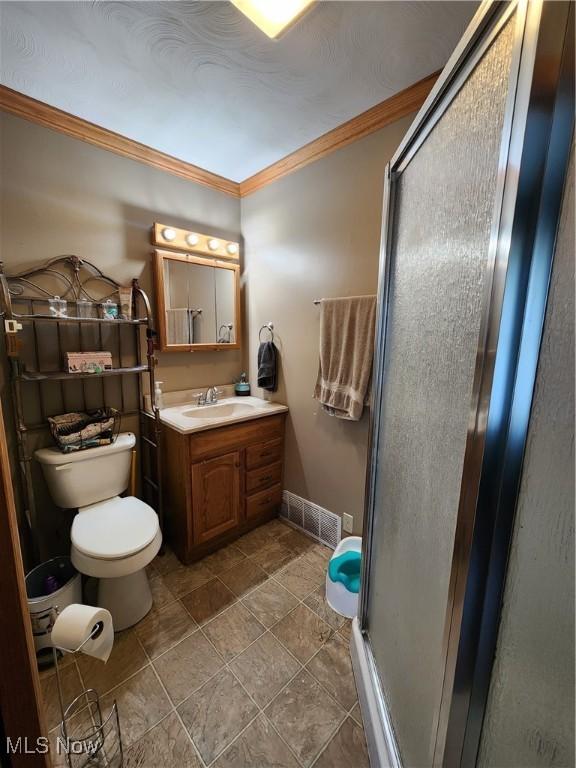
x=536 y=138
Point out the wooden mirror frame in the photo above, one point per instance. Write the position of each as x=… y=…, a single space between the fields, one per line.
x=160 y=256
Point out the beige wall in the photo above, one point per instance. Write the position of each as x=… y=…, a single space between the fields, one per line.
x=60 y=195
x=315 y=234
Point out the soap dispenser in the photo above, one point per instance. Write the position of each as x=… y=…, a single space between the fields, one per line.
x=158 y=396
x=242 y=387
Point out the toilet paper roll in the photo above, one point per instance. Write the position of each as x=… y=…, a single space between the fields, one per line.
x=75 y=624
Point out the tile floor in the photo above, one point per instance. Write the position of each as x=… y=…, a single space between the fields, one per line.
x=240 y=664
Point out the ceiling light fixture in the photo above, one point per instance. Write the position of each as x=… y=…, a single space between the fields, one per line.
x=273 y=16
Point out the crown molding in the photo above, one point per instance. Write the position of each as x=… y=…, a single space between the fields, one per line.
x=38 y=112
x=401 y=104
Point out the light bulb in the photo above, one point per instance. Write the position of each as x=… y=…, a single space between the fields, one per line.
x=192 y=239
x=168 y=234
x=213 y=244
x=232 y=248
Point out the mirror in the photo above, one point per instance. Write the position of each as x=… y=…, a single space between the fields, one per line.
x=197 y=301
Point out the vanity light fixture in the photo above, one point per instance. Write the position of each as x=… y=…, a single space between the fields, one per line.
x=273 y=16
x=186 y=240
x=168 y=234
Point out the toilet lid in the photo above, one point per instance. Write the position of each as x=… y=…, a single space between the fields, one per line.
x=115 y=528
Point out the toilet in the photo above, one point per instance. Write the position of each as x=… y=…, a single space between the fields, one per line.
x=113 y=538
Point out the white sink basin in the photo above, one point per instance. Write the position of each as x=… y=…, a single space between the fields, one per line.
x=188 y=418
x=219 y=410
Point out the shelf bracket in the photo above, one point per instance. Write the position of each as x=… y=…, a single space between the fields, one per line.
x=12 y=326
x=13 y=344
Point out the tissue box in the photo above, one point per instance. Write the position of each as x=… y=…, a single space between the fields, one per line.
x=88 y=362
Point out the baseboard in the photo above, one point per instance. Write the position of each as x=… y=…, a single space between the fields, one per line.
x=380 y=738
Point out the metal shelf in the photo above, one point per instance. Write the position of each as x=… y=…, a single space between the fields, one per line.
x=41 y=427
x=31 y=349
x=68 y=319
x=65 y=376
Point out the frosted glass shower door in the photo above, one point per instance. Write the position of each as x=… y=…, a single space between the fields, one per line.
x=443 y=204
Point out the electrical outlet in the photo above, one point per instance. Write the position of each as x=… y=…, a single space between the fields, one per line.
x=347 y=522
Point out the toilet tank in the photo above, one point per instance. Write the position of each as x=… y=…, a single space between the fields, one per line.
x=87 y=477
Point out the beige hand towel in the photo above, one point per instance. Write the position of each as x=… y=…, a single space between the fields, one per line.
x=346 y=351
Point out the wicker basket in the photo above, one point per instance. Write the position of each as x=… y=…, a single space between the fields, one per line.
x=78 y=431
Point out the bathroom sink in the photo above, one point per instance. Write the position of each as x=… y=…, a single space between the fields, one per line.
x=219 y=411
x=188 y=418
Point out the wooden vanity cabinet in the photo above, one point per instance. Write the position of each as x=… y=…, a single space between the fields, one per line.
x=220 y=483
x=216 y=496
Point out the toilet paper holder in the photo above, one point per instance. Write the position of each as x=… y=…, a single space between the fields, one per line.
x=95 y=632
x=102 y=735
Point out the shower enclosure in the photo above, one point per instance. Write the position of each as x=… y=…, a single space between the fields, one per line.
x=471 y=207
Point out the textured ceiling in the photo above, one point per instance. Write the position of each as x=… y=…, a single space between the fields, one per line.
x=197 y=80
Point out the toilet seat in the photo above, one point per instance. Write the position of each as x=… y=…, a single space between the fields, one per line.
x=114 y=529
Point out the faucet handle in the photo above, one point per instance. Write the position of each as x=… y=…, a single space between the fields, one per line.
x=200 y=397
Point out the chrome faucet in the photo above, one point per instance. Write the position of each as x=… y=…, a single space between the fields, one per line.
x=210 y=397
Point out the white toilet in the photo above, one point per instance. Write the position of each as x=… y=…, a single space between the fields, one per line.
x=113 y=538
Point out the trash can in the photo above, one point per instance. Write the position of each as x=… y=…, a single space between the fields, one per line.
x=53 y=584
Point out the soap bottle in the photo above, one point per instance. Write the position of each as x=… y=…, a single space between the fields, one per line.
x=242 y=387
x=158 y=396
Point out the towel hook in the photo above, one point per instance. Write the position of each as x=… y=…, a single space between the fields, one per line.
x=266 y=327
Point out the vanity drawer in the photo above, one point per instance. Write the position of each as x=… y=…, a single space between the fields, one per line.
x=213 y=442
x=264 y=501
x=264 y=453
x=264 y=477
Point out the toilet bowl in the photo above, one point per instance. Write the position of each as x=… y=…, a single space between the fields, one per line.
x=113 y=538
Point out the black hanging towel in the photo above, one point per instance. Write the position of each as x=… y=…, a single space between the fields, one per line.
x=267 y=366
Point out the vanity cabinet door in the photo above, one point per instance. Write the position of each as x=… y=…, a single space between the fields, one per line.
x=215 y=496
